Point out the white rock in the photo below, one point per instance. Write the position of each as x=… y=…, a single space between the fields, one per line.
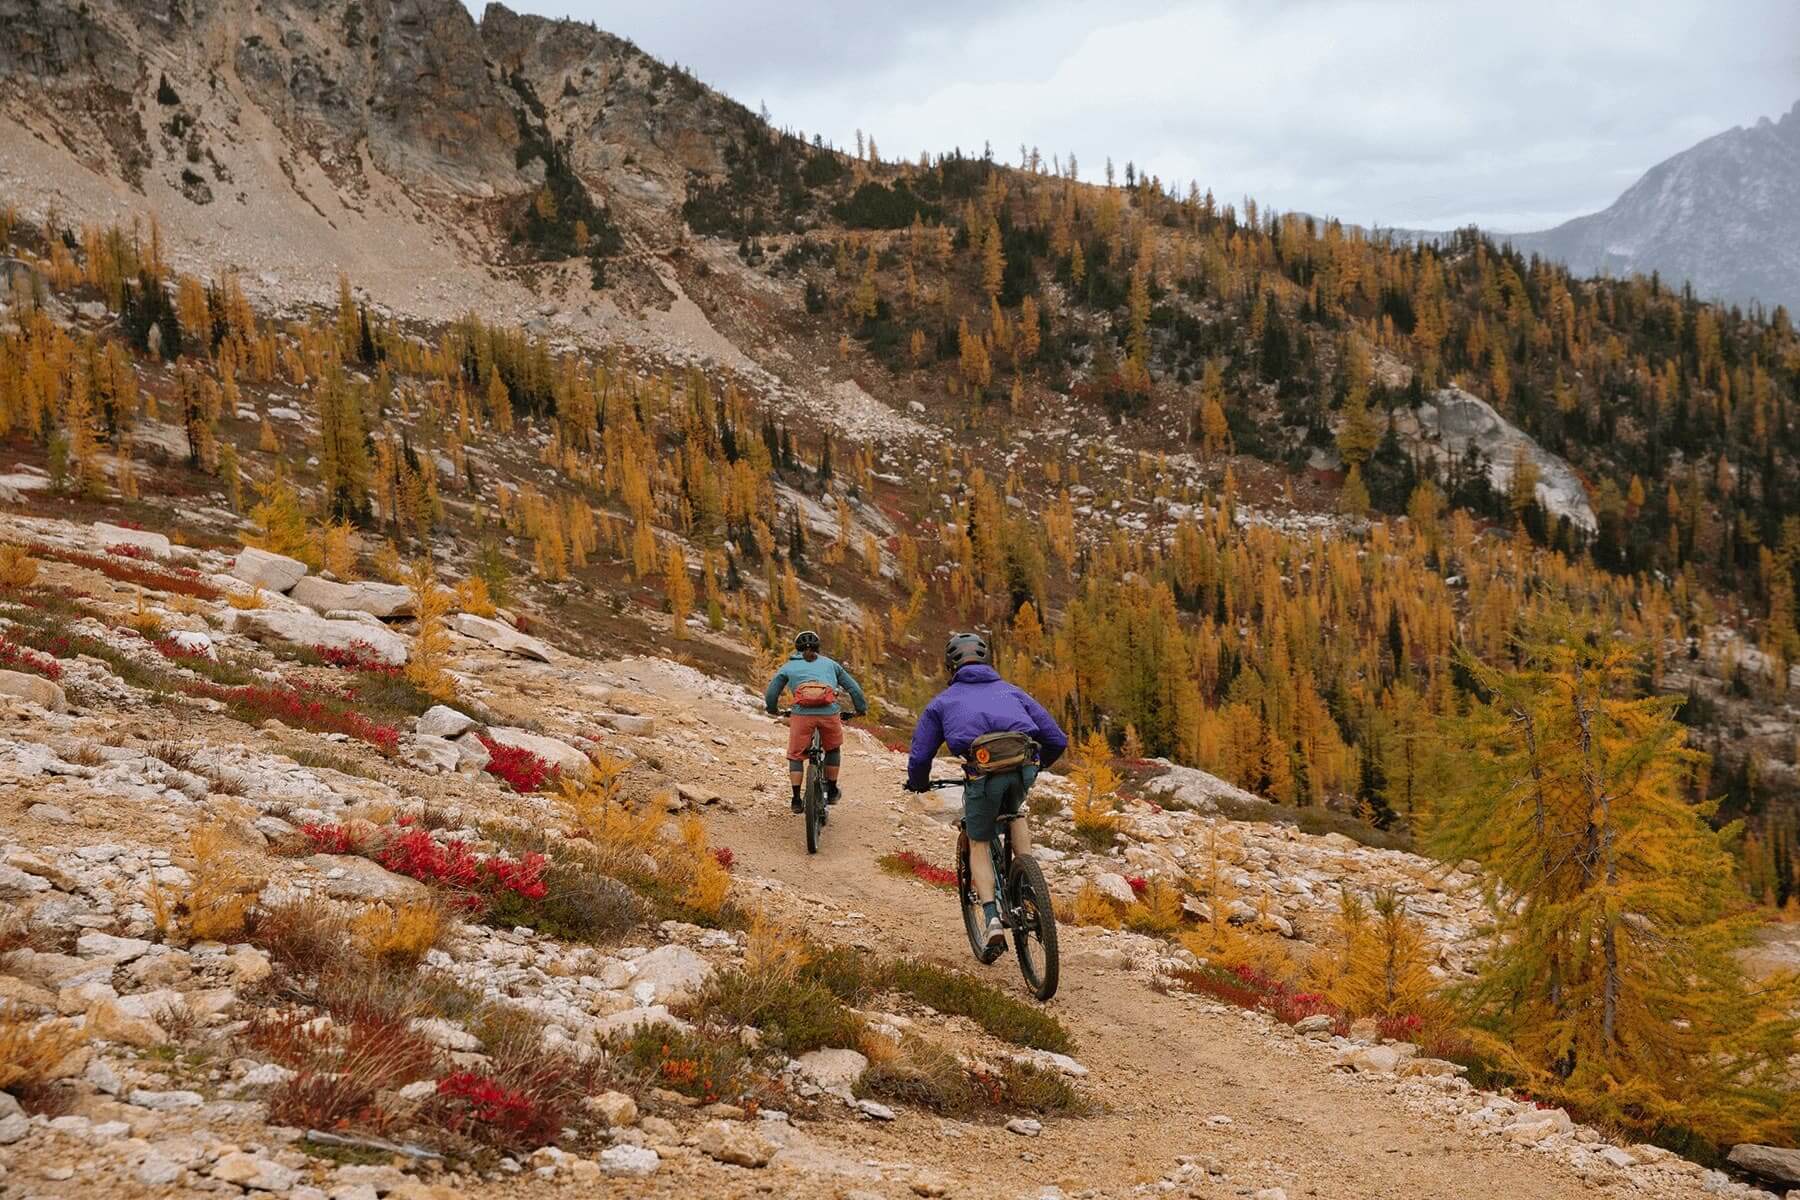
x=305 y=629
x=13 y=1127
x=628 y=1160
x=735 y=1143
x=440 y=720
x=833 y=1068
x=1025 y=1126
x=253 y=1172
x=443 y=1033
x=432 y=755
x=503 y=638
x=558 y=754
x=377 y=599
x=95 y=944
x=264 y=569
x=874 y=1111
x=615 y=1108
x=117 y=535
x=45 y=693
x=156 y=1171
x=673 y=973
x=16 y=884
x=1116 y=887
x=266 y=1075
x=165 y=1101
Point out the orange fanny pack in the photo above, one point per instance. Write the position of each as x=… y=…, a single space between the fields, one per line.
x=814 y=695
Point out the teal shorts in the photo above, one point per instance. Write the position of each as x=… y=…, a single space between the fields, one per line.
x=984 y=797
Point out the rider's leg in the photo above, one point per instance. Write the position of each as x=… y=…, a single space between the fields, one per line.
x=831 y=736
x=796 y=776
x=1021 y=834
x=981 y=871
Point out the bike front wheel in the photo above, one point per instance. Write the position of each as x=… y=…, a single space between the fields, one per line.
x=974 y=921
x=812 y=794
x=1034 y=926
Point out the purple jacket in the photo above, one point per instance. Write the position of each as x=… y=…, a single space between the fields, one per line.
x=978 y=701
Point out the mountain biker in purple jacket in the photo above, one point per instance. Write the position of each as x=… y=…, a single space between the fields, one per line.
x=979 y=702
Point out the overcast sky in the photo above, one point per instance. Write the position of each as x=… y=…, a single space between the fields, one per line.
x=1515 y=115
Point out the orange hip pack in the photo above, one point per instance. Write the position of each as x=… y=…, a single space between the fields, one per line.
x=814 y=694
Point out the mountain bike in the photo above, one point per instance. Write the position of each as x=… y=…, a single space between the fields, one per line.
x=812 y=788
x=1020 y=894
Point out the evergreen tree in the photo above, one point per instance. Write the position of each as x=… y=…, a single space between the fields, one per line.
x=1612 y=982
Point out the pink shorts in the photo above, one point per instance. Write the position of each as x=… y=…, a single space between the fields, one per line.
x=800 y=731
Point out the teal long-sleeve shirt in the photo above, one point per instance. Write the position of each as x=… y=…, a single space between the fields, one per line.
x=797 y=670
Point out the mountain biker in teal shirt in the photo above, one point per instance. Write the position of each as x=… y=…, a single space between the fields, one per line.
x=818 y=684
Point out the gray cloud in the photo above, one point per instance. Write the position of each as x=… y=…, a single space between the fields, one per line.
x=1379 y=111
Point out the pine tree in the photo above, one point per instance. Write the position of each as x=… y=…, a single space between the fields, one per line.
x=1612 y=981
x=343 y=447
x=425 y=667
x=281 y=522
x=681 y=591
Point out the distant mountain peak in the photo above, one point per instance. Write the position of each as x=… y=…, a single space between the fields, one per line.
x=1723 y=215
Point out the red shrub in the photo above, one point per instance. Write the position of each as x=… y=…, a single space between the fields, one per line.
x=126 y=569
x=479 y=1106
x=252 y=702
x=18 y=658
x=448 y=864
x=1246 y=987
x=518 y=767
x=168 y=647
x=908 y=863
x=126 y=550
x=331 y=839
x=1138 y=884
x=357 y=656
x=1401 y=1028
x=724 y=857
x=525 y=877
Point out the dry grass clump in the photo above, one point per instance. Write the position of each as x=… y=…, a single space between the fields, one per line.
x=248 y=601
x=632 y=844
x=32 y=1050
x=1156 y=911
x=17 y=568
x=400 y=934
x=216 y=903
x=928 y=1076
x=1094 y=907
x=772 y=993
x=304 y=934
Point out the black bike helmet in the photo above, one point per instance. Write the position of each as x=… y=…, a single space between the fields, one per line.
x=807 y=643
x=963 y=649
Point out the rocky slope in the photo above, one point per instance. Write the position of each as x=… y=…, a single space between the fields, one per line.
x=1723 y=215
x=171 y=1073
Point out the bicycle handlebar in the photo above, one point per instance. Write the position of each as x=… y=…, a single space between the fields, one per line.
x=946 y=783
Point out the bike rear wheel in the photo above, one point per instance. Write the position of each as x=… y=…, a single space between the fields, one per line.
x=812 y=796
x=974 y=921
x=1034 y=926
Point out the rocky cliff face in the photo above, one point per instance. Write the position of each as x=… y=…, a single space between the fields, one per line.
x=1723 y=215
x=408 y=79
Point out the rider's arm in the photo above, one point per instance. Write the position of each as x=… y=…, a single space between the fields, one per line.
x=928 y=735
x=848 y=683
x=1052 y=741
x=772 y=693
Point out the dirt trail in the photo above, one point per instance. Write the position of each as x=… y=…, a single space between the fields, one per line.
x=1160 y=1065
